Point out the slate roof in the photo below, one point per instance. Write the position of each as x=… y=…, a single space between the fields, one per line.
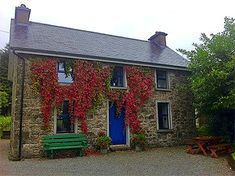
x=52 y=39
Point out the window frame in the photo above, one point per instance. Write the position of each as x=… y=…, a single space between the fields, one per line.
x=56 y=114
x=167 y=80
x=63 y=71
x=170 y=123
x=124 y=79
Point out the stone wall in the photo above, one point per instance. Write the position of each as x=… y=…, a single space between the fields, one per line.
x=183 y=122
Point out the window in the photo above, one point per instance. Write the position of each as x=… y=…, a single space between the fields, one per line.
x=164 y=118
x=162 y=80
x=64 y=123
x=118 y=77
x=62 y=77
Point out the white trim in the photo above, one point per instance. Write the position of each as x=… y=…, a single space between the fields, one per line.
x=55 y=119
x=55 y=122
x=168 y=81
x=104 y=60
x=127 y=128
x=124 y=79
x=170 y=121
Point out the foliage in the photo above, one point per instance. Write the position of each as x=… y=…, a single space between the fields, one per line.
x=5 y=85
x=5 y=123
x=212 y=70
x=212 y=79
x=103 y=141
x=91 y=86
x=139 y=139
x=4 y=99
x=203 y=131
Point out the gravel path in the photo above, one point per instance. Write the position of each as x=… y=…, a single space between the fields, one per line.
x=161 y=161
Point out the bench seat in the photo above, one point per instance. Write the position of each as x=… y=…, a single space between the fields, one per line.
x=58 y=142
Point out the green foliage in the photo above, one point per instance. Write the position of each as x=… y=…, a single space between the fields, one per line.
x=212 y=70
x=4 y=99
x=5 y=85
x=103 y=141
x=138 y=139
x=203 y=131
x=5 y=124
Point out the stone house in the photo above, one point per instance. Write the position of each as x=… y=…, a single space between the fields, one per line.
x=167 y=117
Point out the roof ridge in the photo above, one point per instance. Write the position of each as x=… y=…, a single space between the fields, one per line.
x=70 y=28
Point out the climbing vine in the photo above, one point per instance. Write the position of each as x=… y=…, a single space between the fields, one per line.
x=90 y=87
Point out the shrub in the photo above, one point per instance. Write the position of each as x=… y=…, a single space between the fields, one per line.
x=103 y=141
x=139 y=139
x=5 y=124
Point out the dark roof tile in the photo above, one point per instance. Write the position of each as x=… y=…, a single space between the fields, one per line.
x=56 y=39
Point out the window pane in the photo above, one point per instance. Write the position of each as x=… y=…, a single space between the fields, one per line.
x=61 y=66
x=117 y=77
x=64 y=124
x=163 y=116
x=161 y=75
x=162 y=84
x=162 y=80
x=63 y=79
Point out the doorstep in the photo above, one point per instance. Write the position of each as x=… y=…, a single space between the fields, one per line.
x=119 y=147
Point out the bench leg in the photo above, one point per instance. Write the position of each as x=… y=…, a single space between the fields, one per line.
x=51 y=155
x=81 y=152
x=213 y=153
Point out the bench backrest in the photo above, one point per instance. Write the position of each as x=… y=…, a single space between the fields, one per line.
x=65 y=140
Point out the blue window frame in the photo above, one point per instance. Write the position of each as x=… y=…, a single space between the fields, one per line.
x=64 y=123
x=62 y=77
x=163 y=116
x=118 y=77
x=162 y=81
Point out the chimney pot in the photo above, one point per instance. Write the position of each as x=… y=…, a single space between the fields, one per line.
x=159 y=38
x=22 y=14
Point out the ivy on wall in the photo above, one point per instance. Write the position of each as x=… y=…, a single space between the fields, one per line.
x=91 y=86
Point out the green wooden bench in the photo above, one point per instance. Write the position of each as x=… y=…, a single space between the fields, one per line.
x=58 y=142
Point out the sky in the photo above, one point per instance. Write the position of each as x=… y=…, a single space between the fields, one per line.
x=182 y=20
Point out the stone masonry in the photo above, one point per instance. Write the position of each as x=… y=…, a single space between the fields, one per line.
x=183 y=121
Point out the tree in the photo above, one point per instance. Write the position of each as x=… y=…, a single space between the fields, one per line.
x=5 y=85
x=212 y=67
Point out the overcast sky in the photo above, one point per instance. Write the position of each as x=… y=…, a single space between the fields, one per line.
x=183 y=20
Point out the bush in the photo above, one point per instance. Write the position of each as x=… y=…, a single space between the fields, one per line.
x=139 y=139
x=103 y=141
x=203 y=131
x=5 y=124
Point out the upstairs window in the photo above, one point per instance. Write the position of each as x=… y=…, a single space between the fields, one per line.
x=162 y=80
x=64 y=123
x=163 y=116
x=62 y=76
x=118 y=77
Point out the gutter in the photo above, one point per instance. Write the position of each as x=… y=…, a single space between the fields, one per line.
x=100 y=59
x=21 y=105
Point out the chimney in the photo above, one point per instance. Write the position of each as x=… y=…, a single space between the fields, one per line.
x=22 y=14
x=159 y=38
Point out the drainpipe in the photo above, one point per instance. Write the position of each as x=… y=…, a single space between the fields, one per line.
x=21 y=105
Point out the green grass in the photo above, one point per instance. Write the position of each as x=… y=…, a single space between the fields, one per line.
x=5 y=124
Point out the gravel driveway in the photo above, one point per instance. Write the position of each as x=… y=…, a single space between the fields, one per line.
x=161 y=161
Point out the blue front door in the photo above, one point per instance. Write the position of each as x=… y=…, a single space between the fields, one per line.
x=117 y=129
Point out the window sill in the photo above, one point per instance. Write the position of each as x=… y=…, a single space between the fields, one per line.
x=124 y=88
x=65 y=84
x=165 y=131
x=165 y=90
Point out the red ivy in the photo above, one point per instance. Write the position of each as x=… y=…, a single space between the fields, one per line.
x=90 y=79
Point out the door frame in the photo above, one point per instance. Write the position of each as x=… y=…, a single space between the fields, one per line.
x=127 y=128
